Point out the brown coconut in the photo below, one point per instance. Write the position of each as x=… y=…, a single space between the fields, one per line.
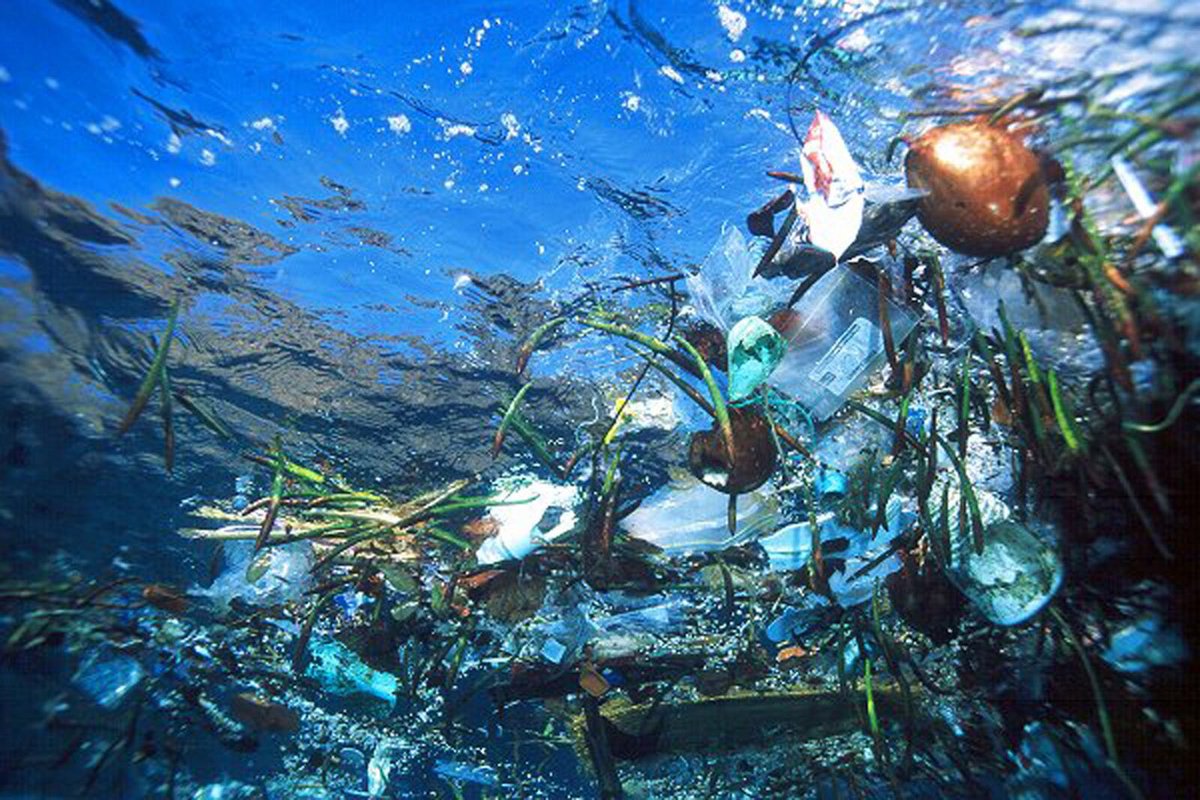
x=754 y=454
x=987 y=192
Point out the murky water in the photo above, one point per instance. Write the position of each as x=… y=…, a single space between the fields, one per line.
x=364 y=210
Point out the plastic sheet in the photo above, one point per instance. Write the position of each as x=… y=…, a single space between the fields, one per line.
x=524 y=527
x=687 y=516
x=340 y=671
x=287 y=577
x=724 y=290
x=108 y=677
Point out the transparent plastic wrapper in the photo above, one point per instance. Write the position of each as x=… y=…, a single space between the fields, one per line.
x=479 y=774
x=383 y=761
x=686 y=516
x=790 y=548
x=725 y=290
x=1017 y=573
x=107 y=677
x=1144 y=643
x=631 y=632
x=835 y=341
x=287 y=576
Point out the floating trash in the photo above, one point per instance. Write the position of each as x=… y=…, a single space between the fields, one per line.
x=798 y=620
x=275 y=575
x=835 y=341
x=482 y=775
x=539 y=513
x=834 y=208
x=686 y=516
x=1015 y=575
x=724 y=291
x=383 y=762
x=108 y=677
x=755 y=349
x=341 y=671
x=790 y=547
x=987 y=192
x=1145 y=643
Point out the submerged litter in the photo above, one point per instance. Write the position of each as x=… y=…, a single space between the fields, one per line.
x=277 y=575
x=108 y=677
x=540 y=513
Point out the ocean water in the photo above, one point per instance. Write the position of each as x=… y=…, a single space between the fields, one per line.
x=363 y=210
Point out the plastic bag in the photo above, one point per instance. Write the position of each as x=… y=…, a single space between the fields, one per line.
x=525 y=527
x=687 y=516
x=834 y=207
x=287 y=577
x=724 y=290
x=755 y=350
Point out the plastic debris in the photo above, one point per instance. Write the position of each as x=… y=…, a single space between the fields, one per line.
x=790 y=547
x=483 y=775
x=835 y=341
x=281 y=573
x=724 y=291
x=798 y=620
x=526 y=526
x=755 y=349
x=228 y=790
x=380 y=767
x=108 y=677
x=1167 y=240
x=1048 y=316
x=1144 y=643
x=829 y=482
x=885 y=211
x=686 y=516
x=1017 y=573
x=834 y=208
x=340 y=671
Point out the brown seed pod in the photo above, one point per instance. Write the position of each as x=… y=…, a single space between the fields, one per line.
x=754 y=454
x=987 y=192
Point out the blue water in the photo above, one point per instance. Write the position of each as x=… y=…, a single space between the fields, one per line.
x=404 y=191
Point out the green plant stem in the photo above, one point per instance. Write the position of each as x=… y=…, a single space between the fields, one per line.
x=718 y=402
x=153 y=375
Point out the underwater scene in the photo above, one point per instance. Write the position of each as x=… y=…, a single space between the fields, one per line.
x=600 y=399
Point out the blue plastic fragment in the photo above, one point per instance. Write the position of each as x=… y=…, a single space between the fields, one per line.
x=108 y=677
x=469 y=773
x=830 y=481
x=914 y=424
x=613 y=677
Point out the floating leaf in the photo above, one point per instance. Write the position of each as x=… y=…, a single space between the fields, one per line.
x=276 y=498
x=533 y=341
x=258 y=567
x=153 y=375
x=204 y=414
x=498 y=441
x=164 y=385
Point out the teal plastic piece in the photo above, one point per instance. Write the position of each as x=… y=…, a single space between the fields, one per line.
x=755 y=349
